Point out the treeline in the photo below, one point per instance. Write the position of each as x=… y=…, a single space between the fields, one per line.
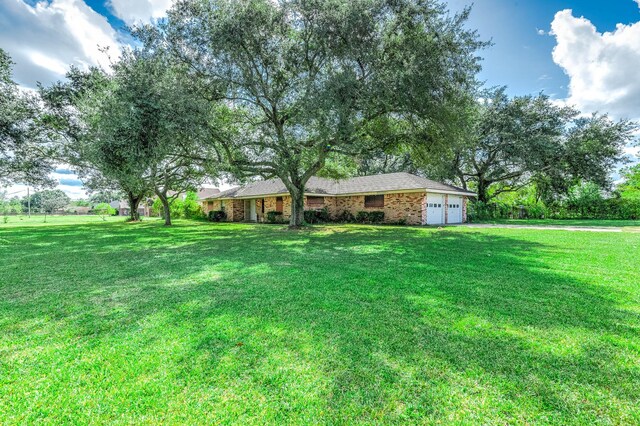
x=583 y=201
x=242 y=91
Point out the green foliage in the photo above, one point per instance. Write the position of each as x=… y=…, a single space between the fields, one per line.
x=217 y=215
x=25 y=151
x=317 y=216
x=191 y=208
x=105 y=196
x=630 y=188
x=156 y=207
x=80 y=203
x=10 y=206
x=585 y=201
x=49 y=201
x=345 y=217
x=586 y=198
x=516 y=141
x=274 y=217
x=176 y=208
x=104 y=210
x=370 y=217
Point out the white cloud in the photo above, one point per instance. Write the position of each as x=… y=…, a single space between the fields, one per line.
x=602 y=67
x=543 y=32
x=67 y=182
x=45 y=39
x=137 y=11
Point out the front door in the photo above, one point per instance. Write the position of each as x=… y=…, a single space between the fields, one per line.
x=250 y=211
x=435 y=209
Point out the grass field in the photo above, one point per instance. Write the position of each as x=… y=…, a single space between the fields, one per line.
x=39 y=220
x=229 y=323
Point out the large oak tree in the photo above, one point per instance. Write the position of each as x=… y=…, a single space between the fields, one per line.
x=25 y=150
x=308 y=80
x=514 y=142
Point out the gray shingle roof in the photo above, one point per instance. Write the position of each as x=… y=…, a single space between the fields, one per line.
x=357 y=185
x=207 y=192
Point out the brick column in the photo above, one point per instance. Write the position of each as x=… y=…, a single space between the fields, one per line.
x=446 y=208
x=464 y=209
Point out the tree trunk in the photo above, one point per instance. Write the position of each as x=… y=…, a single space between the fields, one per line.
x=134 y=202
x=482 y=190
x=297 y=208
x=166 y=208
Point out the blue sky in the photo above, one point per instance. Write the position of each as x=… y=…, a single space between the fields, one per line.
x=521 y=57
x=581 y=52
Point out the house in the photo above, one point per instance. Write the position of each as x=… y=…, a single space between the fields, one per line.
x=201 y=193
x=122 y=208
x=207 y=192
x=402 y=197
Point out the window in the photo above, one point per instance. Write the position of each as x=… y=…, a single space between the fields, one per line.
x=315 y=201
x=221 y=204
x=210 y=204
x=279 y=204
x=262 y=204
x=374 y=200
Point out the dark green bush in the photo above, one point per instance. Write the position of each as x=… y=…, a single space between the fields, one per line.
x=376 y=217
x=317 y=216
x=274 y=217
x=370 y=217
x=217 y=215
x=345 y=217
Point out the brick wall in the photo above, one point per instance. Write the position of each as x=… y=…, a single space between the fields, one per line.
x=405 y=206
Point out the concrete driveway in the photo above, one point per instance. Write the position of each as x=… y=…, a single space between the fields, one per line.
x=545 y=227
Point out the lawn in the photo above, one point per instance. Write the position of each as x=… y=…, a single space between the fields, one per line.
x=40 y=220
x=110 y=322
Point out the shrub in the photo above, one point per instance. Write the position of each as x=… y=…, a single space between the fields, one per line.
x=191 y=209
x=104 y=210
x=176 y=209
x=362 y=217
x=370 y=217
x=274 y=217
x=345 y=217
x=376 y=217
x=217 y=216
x=317 y=216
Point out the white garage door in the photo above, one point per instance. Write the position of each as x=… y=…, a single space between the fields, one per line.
x=454 y=209
x=435 y=209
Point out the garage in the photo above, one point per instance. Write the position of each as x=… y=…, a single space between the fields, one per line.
x=435 y=209
x=454 y=209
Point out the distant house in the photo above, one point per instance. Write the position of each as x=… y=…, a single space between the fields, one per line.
x=82 y=210
x=123 y=209
x=401 y=196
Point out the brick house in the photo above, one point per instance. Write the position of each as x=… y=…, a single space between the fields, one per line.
x=402 y=197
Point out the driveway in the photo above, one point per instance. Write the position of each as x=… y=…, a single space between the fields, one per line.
x=545 y=227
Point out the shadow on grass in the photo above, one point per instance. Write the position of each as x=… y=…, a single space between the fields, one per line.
x=364 y=322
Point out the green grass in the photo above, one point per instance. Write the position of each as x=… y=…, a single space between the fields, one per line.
x=39 y=220
x=565 y=222
x=229 y=323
